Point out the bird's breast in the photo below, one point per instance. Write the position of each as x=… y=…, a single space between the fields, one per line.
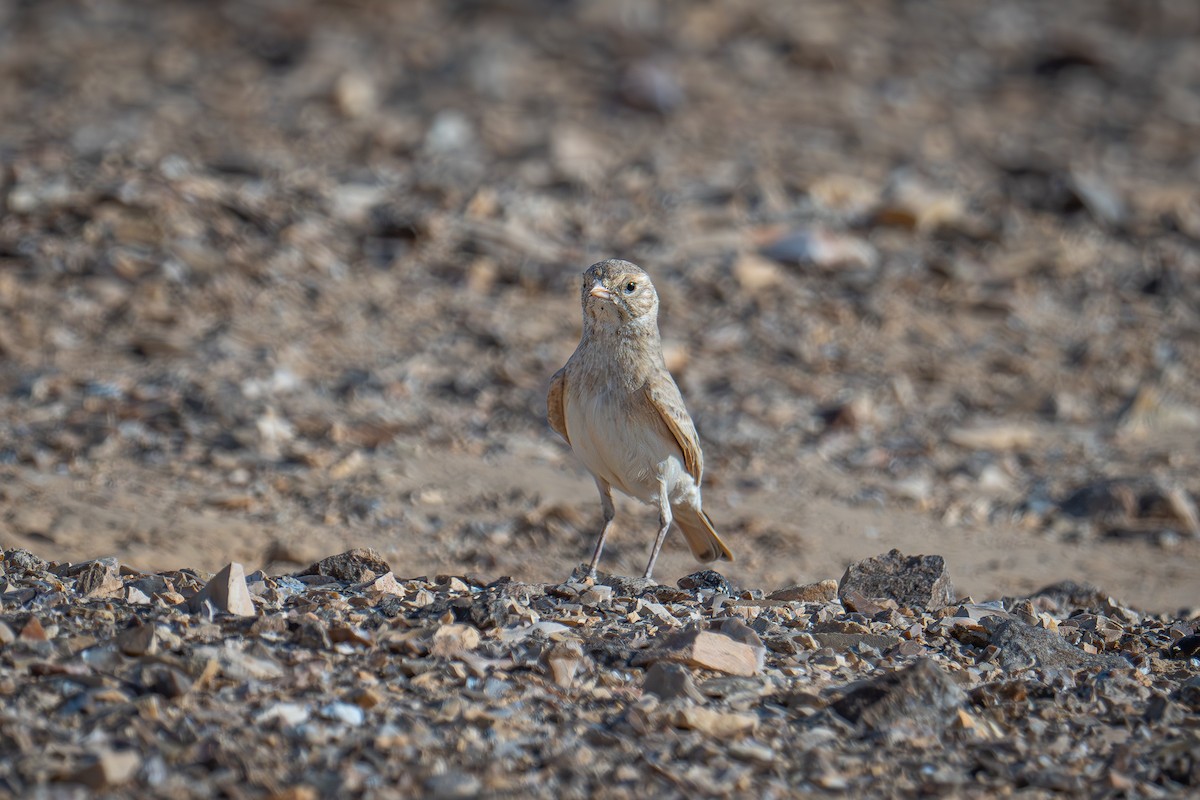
x=620 y=439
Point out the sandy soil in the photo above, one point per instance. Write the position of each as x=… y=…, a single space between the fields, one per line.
x=281 y=279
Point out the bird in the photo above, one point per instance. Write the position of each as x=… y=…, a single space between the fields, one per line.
x=617 y=406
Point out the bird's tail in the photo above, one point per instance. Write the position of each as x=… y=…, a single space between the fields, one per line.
x=701 y=537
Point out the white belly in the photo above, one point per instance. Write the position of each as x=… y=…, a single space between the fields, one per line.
x=638 y=458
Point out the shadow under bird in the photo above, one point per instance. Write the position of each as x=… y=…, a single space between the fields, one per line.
x=619 y=409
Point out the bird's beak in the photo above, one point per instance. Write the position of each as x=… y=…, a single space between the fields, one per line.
x=599 y=291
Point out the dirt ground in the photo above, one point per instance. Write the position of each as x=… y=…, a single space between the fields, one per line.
x=278 y=279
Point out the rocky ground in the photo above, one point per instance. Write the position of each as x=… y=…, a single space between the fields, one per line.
x=279 y=280
x=343 y=680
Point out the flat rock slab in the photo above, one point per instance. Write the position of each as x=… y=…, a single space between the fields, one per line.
x=917 y=581
x=821 y=592
x=1024 y=647
x=847 y=641
x=711 y=649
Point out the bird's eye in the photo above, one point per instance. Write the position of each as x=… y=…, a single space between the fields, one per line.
x=630 y=287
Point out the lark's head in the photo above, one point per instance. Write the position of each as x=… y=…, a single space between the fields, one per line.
x=618 y=292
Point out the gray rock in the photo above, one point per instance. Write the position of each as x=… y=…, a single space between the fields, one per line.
x=100 y=578
x=450 y=785
x=918 y=581
x=671 y=681
x=848 y=641
x=705 y=579
x=18 y=560
x=1023 y=647
x=351 y=566
x=919 y=699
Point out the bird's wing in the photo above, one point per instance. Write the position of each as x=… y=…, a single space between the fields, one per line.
x=556 y=404
x=665 y=398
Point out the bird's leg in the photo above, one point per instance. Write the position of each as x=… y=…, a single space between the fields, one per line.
x=606 y=504
x=664 y=525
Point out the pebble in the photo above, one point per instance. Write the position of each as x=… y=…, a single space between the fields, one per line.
x=823 y=592
x=107 y=769
x=718 y=724
x=669 y=681
x=227 y=592
x=345 y=713
x=822 y=248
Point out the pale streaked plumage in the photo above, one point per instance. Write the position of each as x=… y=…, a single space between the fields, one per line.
x=618 y=407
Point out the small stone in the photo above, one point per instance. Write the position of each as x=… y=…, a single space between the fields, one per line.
x=564 y=661
x=822 y=248
x=452 y=786
x=386 y=584
x=33 y=631
x=450 y=641
x=670 y=681
x=1067 y=596
x=1186 y=647
x=1099 y=197
x=751 y=750
x=450 y=133
x=719 y=724
x=148 y=585
x=140 y=640
x=845 y=195
x=628 y=587
x=340 y=632
x=107 y=769
x=7 y=635
x=597 y=595
x=366 y=698
x=313 y=633
x=289 y=714
x=227 y=591
x=100 y=578
x=908 y=648
x=345 y=713
x=856 y=601
x=755 y=273
x=712 y=650
x=917 y=581
x=650 y=86
x=965 y=630
x=355 y=95
x=23 y=561
x=848 y=641
x=708 y=579
x=136 y=597
x=917 y=699
x=911 y=202
x=995 y=436
x=822 y=592
x=351 y=566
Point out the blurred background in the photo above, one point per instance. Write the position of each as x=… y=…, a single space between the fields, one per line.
x=281 y=278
